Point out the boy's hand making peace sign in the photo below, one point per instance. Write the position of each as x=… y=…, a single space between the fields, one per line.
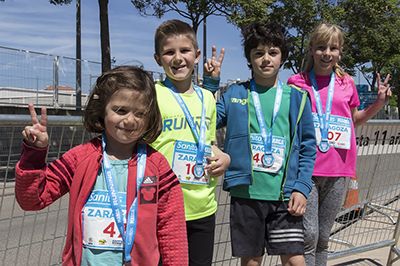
x=213 y=65
x=36 y=135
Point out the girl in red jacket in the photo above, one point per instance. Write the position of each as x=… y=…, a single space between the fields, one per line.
x=125 y=203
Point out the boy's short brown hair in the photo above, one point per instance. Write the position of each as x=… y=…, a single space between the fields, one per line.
x=170 y=28
x=123 y=77
x=264 y=33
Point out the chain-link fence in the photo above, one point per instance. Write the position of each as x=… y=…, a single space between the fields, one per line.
x=45 y=79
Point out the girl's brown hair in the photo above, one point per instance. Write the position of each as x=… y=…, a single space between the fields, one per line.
x=123 y=77
x=322 y=34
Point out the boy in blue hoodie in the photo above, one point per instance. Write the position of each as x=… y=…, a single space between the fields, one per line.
x=270 y=139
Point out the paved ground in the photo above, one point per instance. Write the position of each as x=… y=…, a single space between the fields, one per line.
x=376 y=257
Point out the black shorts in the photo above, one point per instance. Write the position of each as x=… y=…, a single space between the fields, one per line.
x=201 y=240
x=257 y=224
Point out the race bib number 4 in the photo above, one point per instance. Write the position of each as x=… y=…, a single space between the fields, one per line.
x=339 y=134
x=278 y=152
x=184 y=161
x=100 y=230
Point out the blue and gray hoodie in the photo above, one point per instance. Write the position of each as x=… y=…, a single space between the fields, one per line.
x=233 y=112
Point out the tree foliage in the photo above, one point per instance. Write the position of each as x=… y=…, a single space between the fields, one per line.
x=373 y=34
x=241 y=12
x=196 y=11
x=60 y=2
x=298 y=17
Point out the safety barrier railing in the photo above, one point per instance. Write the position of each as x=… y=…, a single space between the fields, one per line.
x=368 y=223
x=372 y=221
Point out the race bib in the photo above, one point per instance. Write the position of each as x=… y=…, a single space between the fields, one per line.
x=184 y=161
x=339 y=134
x=278 y=152
x=100 y=231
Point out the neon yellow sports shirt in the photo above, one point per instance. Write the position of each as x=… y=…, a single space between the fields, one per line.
x=199 y=199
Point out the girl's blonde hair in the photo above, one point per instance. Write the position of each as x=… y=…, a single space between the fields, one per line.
x=322 y=34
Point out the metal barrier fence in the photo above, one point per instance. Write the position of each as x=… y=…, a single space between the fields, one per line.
x=45 y=79
x=37 y=238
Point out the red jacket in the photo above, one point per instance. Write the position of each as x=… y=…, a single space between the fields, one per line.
x=161 y=228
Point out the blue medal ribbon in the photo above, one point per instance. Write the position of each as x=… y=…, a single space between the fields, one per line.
x=128 y=236
x=200 y=138
x=323 y=117
x=266 y=132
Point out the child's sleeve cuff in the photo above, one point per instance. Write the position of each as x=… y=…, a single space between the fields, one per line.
x=210 y=83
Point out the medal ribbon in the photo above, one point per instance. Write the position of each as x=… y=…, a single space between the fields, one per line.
x=200 y=138
x=323 y=117
x=266 y=132
x=128 y=236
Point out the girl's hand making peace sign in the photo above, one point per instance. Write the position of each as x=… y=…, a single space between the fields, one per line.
x=36 y=135
x=384 y=91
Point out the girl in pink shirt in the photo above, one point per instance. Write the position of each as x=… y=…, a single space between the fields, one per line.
x=334 y=102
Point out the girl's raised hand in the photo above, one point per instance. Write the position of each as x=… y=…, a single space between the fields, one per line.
x=36 y=135
x=384 y=91
x=213 y=65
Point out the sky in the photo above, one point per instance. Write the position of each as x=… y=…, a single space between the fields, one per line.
x=41 y=27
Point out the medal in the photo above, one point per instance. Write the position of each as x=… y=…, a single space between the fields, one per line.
x=324 y=145
x=198 y=171
x=323 y=117
x=268 y=160
x=266 y=133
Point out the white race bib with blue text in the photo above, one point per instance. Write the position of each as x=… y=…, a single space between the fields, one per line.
x=99 y=228
x=339 y=134
x=184 y=161
x=278 y=152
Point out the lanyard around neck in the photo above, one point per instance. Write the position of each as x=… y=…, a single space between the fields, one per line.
x=266 y=132
x=323 y=117
x=128 y=236
x=198 y=169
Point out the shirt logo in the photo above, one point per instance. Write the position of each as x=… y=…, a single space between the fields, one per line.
x=149 y=180
x=239 y=101
x=180 y=123
x=148 y=195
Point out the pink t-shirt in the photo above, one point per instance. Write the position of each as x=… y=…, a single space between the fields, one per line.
x=336 y=162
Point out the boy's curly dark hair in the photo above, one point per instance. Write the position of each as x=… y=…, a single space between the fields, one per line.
x=123 y=77
x=265 y=33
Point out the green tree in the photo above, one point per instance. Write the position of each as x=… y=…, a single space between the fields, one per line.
x=372 y=35
x=298 y=17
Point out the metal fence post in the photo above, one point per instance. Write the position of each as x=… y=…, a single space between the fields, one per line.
x=394 y=253
x=56 y=64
